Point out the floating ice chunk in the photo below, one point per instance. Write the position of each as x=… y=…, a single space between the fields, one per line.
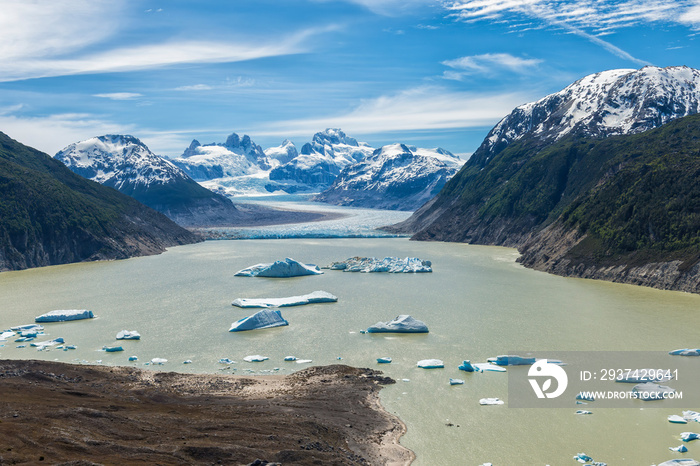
x=689 y=436
x=45 y=344
x=255 y=358
x=468 y=367
x=267 y=318
x=112 y=349
x=583 y=458
x=431 y=364
x=488 y=367
x=511 y=360
x=158 y=361
x=401 y=324
x=645 y=375
x=405 y=380
x=679 y=449
x=311 y=298
x=676 y=419
x=133 y=358
x=490 y=401
x=651 y=391
x=290 y=358
x=303 y=361
x=35 y=327
x=456 y=381
x=128 y=335
x=65 y=315
x=384 y=360
x=280 y=269
x=7 y=334
x=226 y=361
x=685 y=352
x=583 y=411
x=691 y=416
x=388 y=264
x=188 y=361
x=680 y=462
x=69 y=347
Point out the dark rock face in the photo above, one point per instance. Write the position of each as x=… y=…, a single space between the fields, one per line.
x=49 y=215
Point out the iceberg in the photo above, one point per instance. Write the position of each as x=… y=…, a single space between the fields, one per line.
x=384 y=360
x=7 y=334
x=255 y=358
x=583 y=458
x=401 y=324
x=583 y=411
x=280 y=269
x=676 y=419
x=267 y=318
x=33 y=327
x=689 y=436
x=112 y=349
x=431 y=364
x=691 y=416
x=651 y=391
x=490 y=401
x=314 y=297
x=128 y=335
x=133 y=358
x=65 y=315
x=158 y=361
x=226 y=361
x=512 y=360
x=388 y=264
x=467 y=367
x=680 y=462
x=456 y=381
x=290 y=358
x=685 y=352
x=188 y=361
x=488 y=367
x=45 y=344
x=303 y=361
x=679 y=449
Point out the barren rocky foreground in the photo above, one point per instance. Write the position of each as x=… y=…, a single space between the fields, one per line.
x=55 y=413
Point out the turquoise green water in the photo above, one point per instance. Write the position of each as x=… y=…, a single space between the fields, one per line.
x=478 y=303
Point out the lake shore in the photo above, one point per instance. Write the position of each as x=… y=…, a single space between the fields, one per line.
x=59 y=413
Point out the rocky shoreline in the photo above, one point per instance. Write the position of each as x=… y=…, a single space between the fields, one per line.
x=71 y=414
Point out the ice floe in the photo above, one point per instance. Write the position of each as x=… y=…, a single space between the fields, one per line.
x=45 y=344
x=511 y=360
x=691 y=416
x=128 y=335
x=280 y=269
x=4 y=336
x=112 y=349
x=384 y=360
x=255 y=358
x=431 y=364
x=680 y=462
x=400 y=324
x=314 y=297
x=456 y=381
x=65 y=315
x=650 y=391
x=290 y=358
x=491 y=401
x=685 y=352
x=679 y=449
x=583 y=411
x=583 y=458
x=303 y=361
x=35 y=327
x=158 y=361
x=689 y=436
x=267 y=318
x=388 y=264
x=676 y=419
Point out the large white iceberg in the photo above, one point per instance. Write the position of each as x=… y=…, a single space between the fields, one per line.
x=401 y=324
x=388 y=264
x=314 y=297
x=128 y=335
x=65 y=315
x=267 y=318
x=280 y=269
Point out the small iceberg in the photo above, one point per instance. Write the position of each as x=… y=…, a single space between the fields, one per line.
x=280 y=269
x=431 y=364
x=468 y=367
x=112 y=349
x=188 y=361
x=311 y=298
x=689 y=436
x=226 y=361
x=384 y=360
x=267 y=318
x=290 y=358
x=651 y=391
x=691 y=416
x=8 y=334
x=388 y=264
x=33 y=327
x=511 y=360
x=65 y=315
x=679 y=449
x=401 y=324
x=45 y=344
x=128 y=335
x=676 y=419
x=158 y=361
x=133 y=358
x=255 y=358
x=456 y=381
x=680 y=462
x=491 y=401
x=583 y=458
x=685 y=352
x=303 y=361
x=583 y=411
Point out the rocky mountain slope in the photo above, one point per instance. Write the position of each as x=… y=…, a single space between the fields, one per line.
x=544 y=157
x=394 y=177
x=49 y=215
x=126 y=164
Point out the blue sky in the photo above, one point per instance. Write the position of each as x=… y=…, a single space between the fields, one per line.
x=423 y=72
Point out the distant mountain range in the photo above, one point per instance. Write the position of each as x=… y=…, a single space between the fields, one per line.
x=49 y=215
x=582 y=183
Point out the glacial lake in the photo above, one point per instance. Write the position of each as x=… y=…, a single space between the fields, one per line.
x=478 y=303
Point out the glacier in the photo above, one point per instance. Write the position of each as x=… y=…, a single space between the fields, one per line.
x=313 y=297
x=280 y=269
x=401 y=324
x=65 y=315
x=267 y=318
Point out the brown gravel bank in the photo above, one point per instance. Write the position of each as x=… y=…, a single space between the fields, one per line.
x=53 y=413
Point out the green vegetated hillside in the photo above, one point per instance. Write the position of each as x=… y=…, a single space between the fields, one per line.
x=598 y=208
x=49 y=215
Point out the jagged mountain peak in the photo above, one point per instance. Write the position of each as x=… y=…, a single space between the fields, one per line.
x=334 y=136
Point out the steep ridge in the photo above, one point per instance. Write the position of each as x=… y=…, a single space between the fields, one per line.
x=49 y=215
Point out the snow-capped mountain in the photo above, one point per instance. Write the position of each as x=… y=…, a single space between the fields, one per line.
x=623 y=101
x=126 y=164
x=282 y=154
x=321 y=160
x=395 y=177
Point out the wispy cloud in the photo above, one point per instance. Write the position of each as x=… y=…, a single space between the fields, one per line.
x=195 y=87
x=119 y=95
x=422 y=108
x=389 y=7
x=487 y=63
